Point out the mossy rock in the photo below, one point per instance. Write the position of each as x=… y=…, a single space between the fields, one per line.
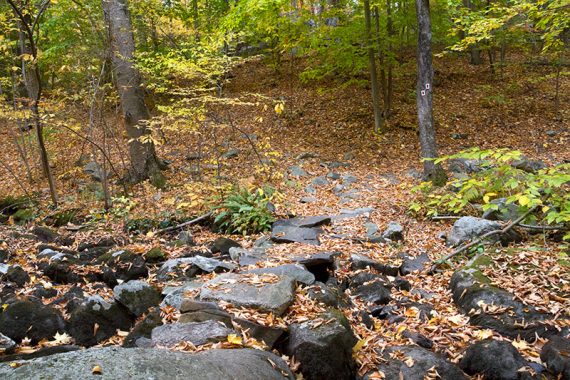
x=480 y=261
x=62 y=218
x=23 y=216
x=140 y=226
x=155 y=255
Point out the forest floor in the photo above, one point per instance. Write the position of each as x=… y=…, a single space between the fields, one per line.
x=473 y=108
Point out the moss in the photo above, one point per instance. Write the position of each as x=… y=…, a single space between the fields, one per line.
x=23 y=216
x=62 y=218
x=155 y=255
x=480 y=261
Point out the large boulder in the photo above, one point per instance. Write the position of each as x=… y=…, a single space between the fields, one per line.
x=494 y=360
x=299 y=230
x=188 y=267
x=270 y=293
x=139 y=363
x=197 y=333
x=123 y=266
x=324 y=352
x=556 y=355
x=295 y=271
x=359 y=261
x=137 y=296
x=33 y=320
x=469 y=228
x=96 y=320
x=223 y=245
x=417 y=363
x=494 y=308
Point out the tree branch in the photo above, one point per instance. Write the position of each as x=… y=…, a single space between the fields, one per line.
x=188 y=223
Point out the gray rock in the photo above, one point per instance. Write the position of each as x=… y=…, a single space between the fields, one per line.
x=188 y=267
x=248 y=256
x=197 y=333
x=555 y=354
x=7 y=345
x=528 y=165
x=328 y=295
x=308 y=200
x=469 y=228
x=94 y=170
x=299 y=230
x=319 y=181
x=174 y=296
x=263 y=242
x=324 y=352
x=349 y=179
x=310 y=190
x=333 y=175
x=307 y=155
x=362 y=262
x=222 y=245
x=373 y=292
x=295 y=271
x=297 y=171
x=506 y=211
x=413 y=264
x=272 y=297
x=371 y=229
x=185 y=238
x=493 y=359
x=463 y=166
x=353 y=213
x=394 y=231
x=231 y=153
x=140 y=334
x=153 y=364
x=423 y=360
x=137 y=296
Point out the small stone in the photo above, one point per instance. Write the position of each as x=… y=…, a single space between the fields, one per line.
x=333 y=175
x=495 y=360
x=232 y=153
x=297 y=171
x=222 y=245
x=320 y=181
x=394 y=231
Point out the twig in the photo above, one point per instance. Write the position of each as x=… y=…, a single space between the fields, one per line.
x=506 y=229
x=181 y=225
x=445 y=217
x=543 y=228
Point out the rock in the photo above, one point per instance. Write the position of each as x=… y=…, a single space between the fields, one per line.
x=354 y=213
x=143 y=329
x=17 y=275
x=473 y=293
x=45 y=234
x=297 y=171
x=137 y=296
x=556 y=355
x=423 y=361
x=175 y=295
x=40 y=353
x=152 y=363
x=7 y=345
x=413 y=264
x=215 y=315
x=308 y=200
x=468 y=228
x=272 y=297
x=61 y=272
x=333 y=175
x=248 y=257
x=373 y=292
x=94 y=170
x=528 y=165
x=493 y=359
x=459 y=136
x=298 y=230
x=42 y=292
x=417 y=338
x=328 y=295
x=310 y=190
x=222 y=245
x=266 y=334
x=348 y=179
x=394 y=232
x=124 y=266
x=324 y=352
x=108 y=316
x=402 y=284
x=188 y=267
x=362 y=262
x=319 y=264
x=4 y=255
x=231 y=153
x=319 y=181
x=26 y=319
x=307 y=221
x=155 y=255
x=307 y=155
x=295 y=271
x=198 y=334
x=506 y=211
x=463 y=166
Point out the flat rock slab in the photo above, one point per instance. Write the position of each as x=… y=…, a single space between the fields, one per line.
x=295 y=271
x=197 y=333
x=469 y=228
x=265 y=292
x=187 y=267
x=152 y=364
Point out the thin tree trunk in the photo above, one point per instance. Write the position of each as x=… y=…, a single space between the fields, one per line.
x=372 y=64
x=389 y=66
x=381 y=55
x=424 y=100
x=144 y=162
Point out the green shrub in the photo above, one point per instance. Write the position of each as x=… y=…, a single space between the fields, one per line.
x=545 y=191
x=246 y=211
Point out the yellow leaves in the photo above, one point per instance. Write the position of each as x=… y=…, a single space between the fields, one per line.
x=458 y=320
x=520 y=344
x=483 y=334
x=96 y=370
x=235 y=339
x=60 y=339
x=279 y=108
x=487 y=197
x=358 y=346
x=523 y=200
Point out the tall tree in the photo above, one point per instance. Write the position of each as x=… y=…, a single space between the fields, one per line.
x=424 y=99
x=378 y=119
x=28 y=24
x=144 y=162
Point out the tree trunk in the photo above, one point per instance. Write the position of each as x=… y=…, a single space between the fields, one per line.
x=389 y=79
x=144 y=162
x=373 y=74
x=432 y=172
x=474 y=51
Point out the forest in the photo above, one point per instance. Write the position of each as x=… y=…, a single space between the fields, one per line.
x=285 y=189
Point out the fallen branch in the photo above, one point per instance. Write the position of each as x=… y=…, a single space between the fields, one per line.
x=475 y=242
x=543 y=228
x=445 y=217
x=181 y=225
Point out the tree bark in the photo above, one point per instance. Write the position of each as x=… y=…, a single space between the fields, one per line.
x=424 y=99
x=378 y=120
x=144 y=162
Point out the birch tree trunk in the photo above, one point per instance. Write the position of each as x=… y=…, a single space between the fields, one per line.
x=424 y=99
x=144 y=162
